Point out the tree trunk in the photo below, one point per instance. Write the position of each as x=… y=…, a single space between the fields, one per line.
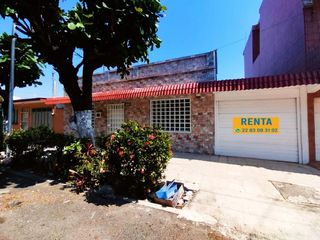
x=83 y=120
x=81 y=99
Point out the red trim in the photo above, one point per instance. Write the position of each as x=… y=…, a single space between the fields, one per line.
x=279 y=81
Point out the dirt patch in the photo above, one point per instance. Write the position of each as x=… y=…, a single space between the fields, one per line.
x=2 y=220
x=22 y=198
x=46 y=212
x=4 y=238
x=298 y=194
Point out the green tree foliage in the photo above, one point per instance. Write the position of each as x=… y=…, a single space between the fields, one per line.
x=28 y=68
x=111 y=33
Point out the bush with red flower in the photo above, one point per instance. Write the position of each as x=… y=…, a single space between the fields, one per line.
x=90 y=169
x=137 y=159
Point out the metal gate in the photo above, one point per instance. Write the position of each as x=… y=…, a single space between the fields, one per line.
x=115 y=117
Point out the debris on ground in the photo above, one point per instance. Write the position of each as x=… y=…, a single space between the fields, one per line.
x=173 y=194
x=14 y=204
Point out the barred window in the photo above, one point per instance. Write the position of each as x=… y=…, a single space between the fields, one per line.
x=115 y=117
x=171 y=115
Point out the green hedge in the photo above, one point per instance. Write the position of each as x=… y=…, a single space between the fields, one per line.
x=29 y=148
x=133 y=159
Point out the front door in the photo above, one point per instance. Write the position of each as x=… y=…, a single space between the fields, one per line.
x=115 y=117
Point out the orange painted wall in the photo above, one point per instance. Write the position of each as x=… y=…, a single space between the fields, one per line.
x=58 y=121
x=57 y=118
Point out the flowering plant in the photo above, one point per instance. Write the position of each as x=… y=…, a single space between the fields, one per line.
x=138 y=157
x=90 y=170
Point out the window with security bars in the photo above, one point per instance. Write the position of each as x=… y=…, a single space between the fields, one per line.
x=115 y=117
x=171 y=115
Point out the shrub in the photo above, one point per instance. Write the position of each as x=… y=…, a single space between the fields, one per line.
x=101 y=140
x=89 y=165
x=138 y=157
x=30 y=148
x=17 y=142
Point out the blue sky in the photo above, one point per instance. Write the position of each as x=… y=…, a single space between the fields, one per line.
x=189 y=27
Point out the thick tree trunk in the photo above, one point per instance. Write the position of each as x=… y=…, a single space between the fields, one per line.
x=83 y=120
x=81 y=99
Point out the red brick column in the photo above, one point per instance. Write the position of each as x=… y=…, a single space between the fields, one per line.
x=311 y=127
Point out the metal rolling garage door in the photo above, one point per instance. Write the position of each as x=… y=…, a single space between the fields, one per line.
x=271 y=146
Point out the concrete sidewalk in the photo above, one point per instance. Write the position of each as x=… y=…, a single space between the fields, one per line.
x=264 y=199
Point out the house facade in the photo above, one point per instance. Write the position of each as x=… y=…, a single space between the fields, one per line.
x=272 y=117
x=188 y=118
x=34 y=112
x=286 y=39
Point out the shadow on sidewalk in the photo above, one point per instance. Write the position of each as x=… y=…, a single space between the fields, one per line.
x=18 y=179
x=10 y=179
x=251 y=162
x=107 y=199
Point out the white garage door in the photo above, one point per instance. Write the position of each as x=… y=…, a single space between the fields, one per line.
x=281 y=146
x=317 y=126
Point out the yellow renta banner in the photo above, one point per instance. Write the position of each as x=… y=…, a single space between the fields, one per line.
x=256 y=125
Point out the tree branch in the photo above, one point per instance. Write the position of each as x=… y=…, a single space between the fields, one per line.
x=79 y=66
x=78 y=54
x=22 y=30
x=23 y=25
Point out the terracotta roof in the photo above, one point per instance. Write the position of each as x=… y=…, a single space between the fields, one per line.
x=278 y=81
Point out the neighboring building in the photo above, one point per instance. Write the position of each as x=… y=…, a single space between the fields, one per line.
x=34 y=112
x=202 y=114
x=286 y=39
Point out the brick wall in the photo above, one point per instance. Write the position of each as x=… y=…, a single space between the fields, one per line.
x=201 y=138
x=204 y=75
x=312 y=35
x=68 y=112
x=197 y=68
